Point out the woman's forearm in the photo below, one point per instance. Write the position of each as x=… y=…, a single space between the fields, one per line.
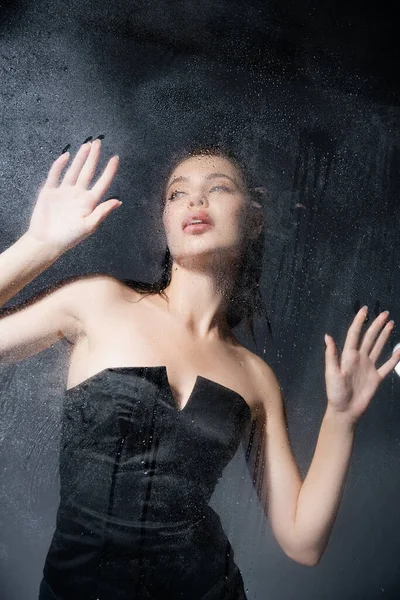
x=321 y=491
x=22 y=262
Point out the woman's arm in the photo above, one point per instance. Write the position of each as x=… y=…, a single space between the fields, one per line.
x=302 y=513
x=40 y=321
x=22 y=262
x=65 y=213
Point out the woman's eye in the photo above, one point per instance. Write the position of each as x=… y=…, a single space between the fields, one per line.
x=222 y=187
x=172 y=196
x=215 y=187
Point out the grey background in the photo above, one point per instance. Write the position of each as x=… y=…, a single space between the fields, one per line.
x=295 y=90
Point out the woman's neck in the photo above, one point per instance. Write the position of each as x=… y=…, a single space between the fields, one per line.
x=200 y=300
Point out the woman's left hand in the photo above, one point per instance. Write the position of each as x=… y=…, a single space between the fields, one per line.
x=351 y=384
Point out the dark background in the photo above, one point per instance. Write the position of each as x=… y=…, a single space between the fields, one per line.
x=308 y=93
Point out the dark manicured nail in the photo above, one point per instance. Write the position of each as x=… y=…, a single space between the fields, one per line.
x=87 y=140
x=67 y=147
x=100 y=137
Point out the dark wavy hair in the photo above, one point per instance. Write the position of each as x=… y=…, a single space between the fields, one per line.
x=246 y=298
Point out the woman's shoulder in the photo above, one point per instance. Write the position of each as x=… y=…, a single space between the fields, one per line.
x=252 y=360
x=95 y=282
x=260 y=370
x=87 y=294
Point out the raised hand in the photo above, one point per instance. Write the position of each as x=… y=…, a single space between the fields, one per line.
x=66 y=213
x=351 y=384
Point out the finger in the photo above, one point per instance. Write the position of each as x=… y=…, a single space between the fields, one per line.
x=71 y=175
x=55 y=170
x=381 y=341
x=372 y=332
x=101 y=212
x=354 y=331
x=104 y=182
x=389 y=365
x=89 y=168
x=331 y=356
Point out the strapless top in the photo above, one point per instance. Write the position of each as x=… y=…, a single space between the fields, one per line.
x=137 y=473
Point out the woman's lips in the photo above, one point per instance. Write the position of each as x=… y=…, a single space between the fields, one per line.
x=197 y=227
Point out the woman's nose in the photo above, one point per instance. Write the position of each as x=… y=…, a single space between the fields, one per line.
x=197 y=199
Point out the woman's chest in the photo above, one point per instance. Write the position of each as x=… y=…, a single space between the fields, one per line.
x=126 y=336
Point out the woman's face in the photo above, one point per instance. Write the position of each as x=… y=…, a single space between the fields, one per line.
x=210 y=186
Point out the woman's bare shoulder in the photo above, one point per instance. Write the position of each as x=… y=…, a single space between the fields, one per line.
x=92 y=292
x=94 y=282
x=260 y=369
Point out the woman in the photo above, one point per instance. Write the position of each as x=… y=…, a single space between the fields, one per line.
x=160 y=392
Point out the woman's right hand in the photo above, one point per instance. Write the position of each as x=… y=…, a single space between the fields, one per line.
x=67 y=213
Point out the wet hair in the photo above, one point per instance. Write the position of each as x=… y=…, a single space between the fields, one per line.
x=246 y=299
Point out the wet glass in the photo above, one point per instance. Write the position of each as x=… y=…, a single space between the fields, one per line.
x=130 y=479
